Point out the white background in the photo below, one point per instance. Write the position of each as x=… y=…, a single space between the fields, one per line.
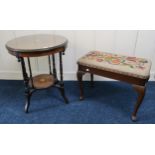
x=77 y=15
x=133 y=43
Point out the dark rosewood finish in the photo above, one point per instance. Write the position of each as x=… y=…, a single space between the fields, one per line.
x=32 y=83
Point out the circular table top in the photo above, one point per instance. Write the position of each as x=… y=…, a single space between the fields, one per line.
x=34 y=43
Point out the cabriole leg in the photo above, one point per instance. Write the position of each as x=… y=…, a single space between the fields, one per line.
x=141 y=93
x=80 y=77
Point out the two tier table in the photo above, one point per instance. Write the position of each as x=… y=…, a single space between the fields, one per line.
x=39 y=45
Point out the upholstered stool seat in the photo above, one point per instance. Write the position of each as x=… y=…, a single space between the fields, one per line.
x=129 y=69
x=131 y=66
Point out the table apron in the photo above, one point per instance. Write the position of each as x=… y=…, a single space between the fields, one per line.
x=37 y=54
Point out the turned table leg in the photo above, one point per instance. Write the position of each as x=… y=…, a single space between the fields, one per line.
x=26 y=81
x=27 y=104
x=61 y=88
x=62 y=91
x=141 y=93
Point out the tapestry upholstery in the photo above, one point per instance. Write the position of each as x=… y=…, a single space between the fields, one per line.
x=126 y=65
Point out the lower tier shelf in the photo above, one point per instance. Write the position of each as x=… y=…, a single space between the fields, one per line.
x=42 y=81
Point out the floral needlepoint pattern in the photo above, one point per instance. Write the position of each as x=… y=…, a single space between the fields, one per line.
x=125 y=65
x=114 y=59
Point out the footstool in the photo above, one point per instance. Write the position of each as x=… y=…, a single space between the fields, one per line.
x=133 y=70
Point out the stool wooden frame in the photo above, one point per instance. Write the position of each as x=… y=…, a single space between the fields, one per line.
x=138 y=84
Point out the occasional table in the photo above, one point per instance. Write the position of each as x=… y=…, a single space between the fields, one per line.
x=39 y=45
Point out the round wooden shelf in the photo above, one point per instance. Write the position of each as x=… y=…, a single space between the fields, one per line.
x=42 y=81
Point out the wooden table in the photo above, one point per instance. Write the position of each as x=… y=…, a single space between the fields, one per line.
x=36 y=46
